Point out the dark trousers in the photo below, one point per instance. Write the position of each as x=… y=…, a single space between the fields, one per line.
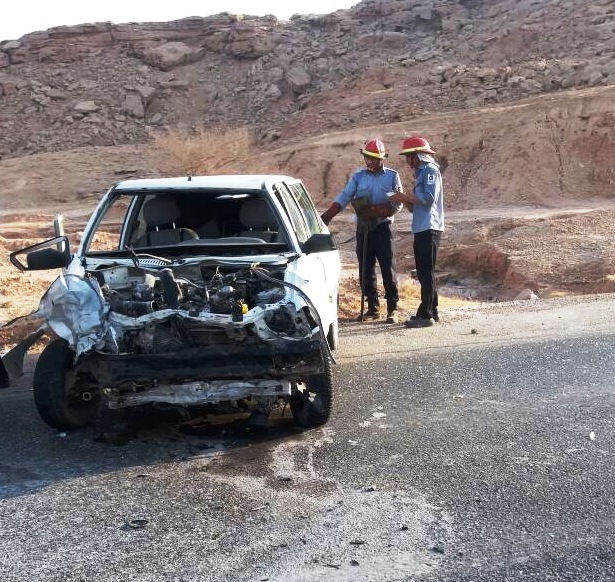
x=4 y=376
x=381 y=247
x=425 y=247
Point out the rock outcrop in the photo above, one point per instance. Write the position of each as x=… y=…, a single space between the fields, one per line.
x=383 y=60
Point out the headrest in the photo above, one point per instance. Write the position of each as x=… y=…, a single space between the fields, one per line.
x=256 y=213
x=160 y=210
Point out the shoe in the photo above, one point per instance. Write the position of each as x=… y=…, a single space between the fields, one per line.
x=436 y=317
x=392 y=313
x=416 y=321
x=392 y=317
x=369 y=314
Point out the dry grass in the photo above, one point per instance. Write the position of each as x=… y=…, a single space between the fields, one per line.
x=409 y=298
x=201 y=152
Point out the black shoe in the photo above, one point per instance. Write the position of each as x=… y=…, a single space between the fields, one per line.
x=436 y=317
x=416 y=321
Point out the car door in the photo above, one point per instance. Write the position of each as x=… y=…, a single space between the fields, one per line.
x=318 y=273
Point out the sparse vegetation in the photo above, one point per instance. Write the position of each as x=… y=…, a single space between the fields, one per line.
x=204 y=151
x=409 y=298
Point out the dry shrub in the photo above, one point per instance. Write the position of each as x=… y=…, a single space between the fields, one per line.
x=409 y=291
x=350 y=297
x=409 y=298
x=201 y=152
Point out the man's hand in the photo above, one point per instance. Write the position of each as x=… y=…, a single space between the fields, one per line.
x=328 y=214
x=376 y=211
x=400 y=198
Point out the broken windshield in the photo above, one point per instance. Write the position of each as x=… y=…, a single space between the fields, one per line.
x=182 y=224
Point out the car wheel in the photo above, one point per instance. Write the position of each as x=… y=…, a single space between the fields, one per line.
x=55 y=397
x=311 y=400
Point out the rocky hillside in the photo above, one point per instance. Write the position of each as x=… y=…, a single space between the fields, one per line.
x=380 y=62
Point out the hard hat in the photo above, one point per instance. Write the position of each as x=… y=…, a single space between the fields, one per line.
x=415 y=144
x=375 y=149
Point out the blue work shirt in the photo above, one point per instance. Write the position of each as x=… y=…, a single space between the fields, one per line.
x=429 y=213
x=373 y=186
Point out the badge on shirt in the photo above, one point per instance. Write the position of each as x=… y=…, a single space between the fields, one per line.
x=431 y=178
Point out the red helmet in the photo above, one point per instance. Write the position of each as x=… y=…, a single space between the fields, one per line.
x=415 y=144
x=375 y=149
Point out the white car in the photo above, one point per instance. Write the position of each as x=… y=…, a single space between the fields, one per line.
x=217 y=291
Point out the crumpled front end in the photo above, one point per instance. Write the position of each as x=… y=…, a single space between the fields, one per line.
x=191 y=335
x=73 y=307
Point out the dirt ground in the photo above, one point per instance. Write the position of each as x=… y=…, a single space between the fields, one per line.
x=542 y=254
x=486 y=255
x=520 y=222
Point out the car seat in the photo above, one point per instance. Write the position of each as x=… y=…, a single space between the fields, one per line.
x=161 y=215
x=258 y=220
x=210 y=229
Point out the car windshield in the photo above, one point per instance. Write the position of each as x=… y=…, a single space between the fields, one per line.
x=187 y=223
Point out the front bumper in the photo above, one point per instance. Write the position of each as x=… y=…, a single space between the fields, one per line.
x=292 y=360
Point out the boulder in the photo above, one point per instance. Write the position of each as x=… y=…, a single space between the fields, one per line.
x=298 y=79
x=86 y=107
x=169 y=55
x=133 y=106
x=250 y=43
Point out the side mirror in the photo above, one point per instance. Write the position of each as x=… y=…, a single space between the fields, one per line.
x=319 y=243
x=50 y=254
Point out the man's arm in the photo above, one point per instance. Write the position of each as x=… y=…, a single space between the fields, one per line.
x=341 y=200
x=332 y=211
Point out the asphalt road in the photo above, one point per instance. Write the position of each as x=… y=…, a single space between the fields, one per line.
x=476 y=460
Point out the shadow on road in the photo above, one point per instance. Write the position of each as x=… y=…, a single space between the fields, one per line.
x=36 y=455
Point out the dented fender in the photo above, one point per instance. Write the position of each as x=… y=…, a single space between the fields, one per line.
x=72 y=307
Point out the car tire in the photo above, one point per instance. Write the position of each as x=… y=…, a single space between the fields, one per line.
x=56 y=406
x=312 y=400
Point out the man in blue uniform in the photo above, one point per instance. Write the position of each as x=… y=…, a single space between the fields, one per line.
x=426 y=202
x=368 y=192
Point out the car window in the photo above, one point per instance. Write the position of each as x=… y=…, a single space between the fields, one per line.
x=307 y=206
x=300 y=224
x=295 y=214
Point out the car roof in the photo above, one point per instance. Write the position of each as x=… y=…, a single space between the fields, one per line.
x=254 y=182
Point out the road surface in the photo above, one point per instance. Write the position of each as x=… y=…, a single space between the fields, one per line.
x=480 y=449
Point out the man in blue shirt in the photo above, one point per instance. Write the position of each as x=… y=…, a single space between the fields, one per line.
x=368 y=192
x=426 y=202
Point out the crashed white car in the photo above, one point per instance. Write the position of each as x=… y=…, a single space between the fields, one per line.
x=215 y=291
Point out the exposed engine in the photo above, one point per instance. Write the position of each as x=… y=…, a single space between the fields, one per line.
x=201 y=299
x=136 y=291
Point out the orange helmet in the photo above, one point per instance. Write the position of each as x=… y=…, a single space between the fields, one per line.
x=415 y=144
x=375 y=149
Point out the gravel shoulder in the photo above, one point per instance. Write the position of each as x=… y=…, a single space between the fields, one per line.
x=484 y=323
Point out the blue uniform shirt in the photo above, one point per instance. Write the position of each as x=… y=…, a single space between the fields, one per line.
x=374 y=186
x=429 y=213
